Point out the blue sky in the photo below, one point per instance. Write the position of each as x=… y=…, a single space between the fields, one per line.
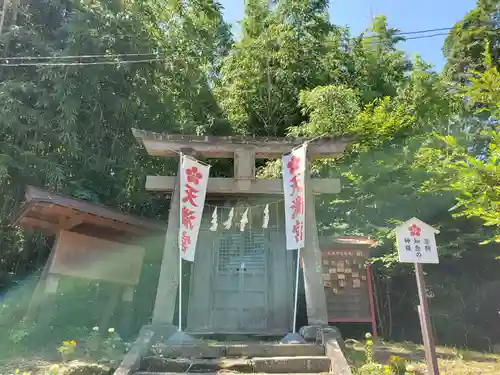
x=406 y=15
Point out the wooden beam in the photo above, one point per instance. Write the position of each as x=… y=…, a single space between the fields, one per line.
x=158 y=144
x=32 y=222
x=70 y=222
x=234 y=186
x=113 y=224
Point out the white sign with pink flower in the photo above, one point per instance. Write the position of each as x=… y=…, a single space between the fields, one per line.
x=193 y=189
x=416 y=242
x=294 y=169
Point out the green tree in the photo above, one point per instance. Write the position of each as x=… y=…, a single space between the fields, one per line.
x=464 y=46
x=468 y=163
x=67 y=126
x=280 y=53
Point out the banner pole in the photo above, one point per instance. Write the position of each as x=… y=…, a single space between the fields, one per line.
x=293 y=167
x=296 y=296
x=179 y=329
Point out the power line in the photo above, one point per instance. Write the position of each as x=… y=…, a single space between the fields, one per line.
x=426 y=36
x=403 y=33
x=378 y=37
x=56 y=57
x=85 y=63
x=122 y=55
x=119 y=62
x=423 y=31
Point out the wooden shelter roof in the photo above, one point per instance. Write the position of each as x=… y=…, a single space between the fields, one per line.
x=354 y=240
x=327 y=242
x=52 y=212
x=163 y=144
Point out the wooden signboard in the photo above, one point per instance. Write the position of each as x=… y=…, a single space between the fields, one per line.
x=86 y=257
x=348 y=286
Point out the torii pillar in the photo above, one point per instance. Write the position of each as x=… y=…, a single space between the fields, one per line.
x=244 y=150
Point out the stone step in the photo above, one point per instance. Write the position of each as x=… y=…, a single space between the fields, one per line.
x=271 y=365
x=240 y=350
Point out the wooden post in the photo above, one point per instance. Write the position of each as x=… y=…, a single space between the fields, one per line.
x=127 y=309
x=425 y=323
x=371 y=297
x=168 y=281
x=49 y=295
x=114 y=293
x=312 y=263
x=424 y=338
x=39 y=291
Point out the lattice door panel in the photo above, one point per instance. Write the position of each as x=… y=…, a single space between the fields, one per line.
x=228 y=254
x=255 y=285
x=240 y=297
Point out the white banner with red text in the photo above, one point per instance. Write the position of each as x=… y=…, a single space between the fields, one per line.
x=294 y=169
x=193 y=189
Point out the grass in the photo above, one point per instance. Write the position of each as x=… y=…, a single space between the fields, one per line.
x=38 y=366
x=452 y=361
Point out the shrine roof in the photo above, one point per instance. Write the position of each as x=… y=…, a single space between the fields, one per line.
x=164 y=144
x=52 y=212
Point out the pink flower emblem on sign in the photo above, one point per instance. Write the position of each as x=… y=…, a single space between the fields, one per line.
x=294 y=164
x=193 y=175
x=414 y=230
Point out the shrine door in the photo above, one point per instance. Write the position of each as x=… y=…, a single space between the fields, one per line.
x=249 y=286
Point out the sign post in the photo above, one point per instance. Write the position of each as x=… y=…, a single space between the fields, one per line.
x=417 y=244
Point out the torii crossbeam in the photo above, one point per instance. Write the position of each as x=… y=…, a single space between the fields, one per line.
x=244 y=150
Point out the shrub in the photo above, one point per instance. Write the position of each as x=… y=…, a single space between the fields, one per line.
x=67 y=350
x=374 y=369
x=397 y=365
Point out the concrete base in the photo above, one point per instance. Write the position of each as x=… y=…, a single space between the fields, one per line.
x=312 y=333
x=180 y=338
x=250 y=350
x=162 y=330
x=271 y=365
x=293 y=338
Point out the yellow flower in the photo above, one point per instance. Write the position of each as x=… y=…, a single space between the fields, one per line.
x=387 y=369
x=72 y=343
x=17 y=371
x=410 y=368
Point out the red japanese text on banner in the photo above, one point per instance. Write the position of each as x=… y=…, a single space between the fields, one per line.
x=294 y=168
x=193 y=188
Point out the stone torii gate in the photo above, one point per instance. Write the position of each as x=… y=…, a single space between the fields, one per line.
x=244 y=150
